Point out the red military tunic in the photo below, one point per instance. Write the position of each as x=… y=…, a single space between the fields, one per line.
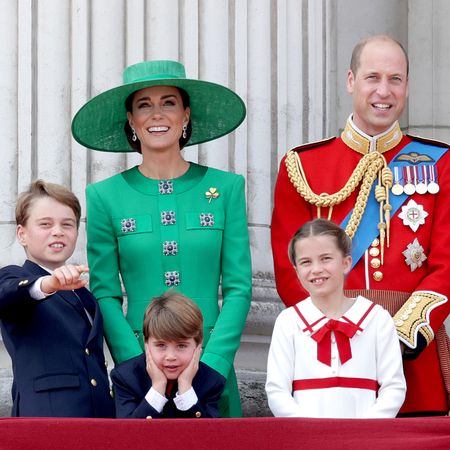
x=327 y=166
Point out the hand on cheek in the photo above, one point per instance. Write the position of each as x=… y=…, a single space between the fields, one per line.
x=159 y=380
x=186 y=377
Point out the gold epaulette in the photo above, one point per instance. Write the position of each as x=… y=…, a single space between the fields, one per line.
x=428 y=141
x=309 y=145
x=414 y=317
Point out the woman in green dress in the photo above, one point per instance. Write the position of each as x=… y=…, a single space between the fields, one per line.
x=167 y=223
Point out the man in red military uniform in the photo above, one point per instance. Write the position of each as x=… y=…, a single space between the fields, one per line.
x=391 y=193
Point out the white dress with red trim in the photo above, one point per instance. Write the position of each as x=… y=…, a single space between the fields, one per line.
x=346 y=368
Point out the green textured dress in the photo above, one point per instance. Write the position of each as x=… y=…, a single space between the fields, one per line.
x=189 y=234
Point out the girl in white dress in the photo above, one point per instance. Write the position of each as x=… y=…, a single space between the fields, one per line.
x=332 y=356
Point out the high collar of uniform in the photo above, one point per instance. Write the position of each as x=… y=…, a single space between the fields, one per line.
x=363 y=143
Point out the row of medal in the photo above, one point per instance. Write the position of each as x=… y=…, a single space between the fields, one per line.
x=415 y=179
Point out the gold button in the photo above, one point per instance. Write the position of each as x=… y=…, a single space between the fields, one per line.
x=94 y=382
x=86 y=350
x=375 y=242
x=375 y=263
x=404 y=316
x=378 y=276
x=399 y=323
x=111 y=393
x=374 y=251
x=198 y=414
x=106 y=363
x=149 y=417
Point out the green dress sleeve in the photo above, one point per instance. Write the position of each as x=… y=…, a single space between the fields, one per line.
x=105 y=282
x=236 y=284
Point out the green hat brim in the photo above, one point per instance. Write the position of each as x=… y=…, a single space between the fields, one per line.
x=215 y=112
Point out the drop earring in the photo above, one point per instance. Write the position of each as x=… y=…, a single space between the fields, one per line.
x=134 y=136
x=184 y=131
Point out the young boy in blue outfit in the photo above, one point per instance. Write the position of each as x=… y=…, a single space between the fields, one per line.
x=168 y=380
x=51 y=324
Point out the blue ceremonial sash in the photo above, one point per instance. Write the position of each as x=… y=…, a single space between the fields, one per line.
x=368 y=228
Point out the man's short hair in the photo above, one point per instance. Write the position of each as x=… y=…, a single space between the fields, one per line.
x=173 y=317
x=356 y=54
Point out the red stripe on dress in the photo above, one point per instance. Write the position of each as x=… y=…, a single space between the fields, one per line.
x=362 y=317
x=365 y=314
x=345 y=319
x=308 y=325
x=344 y=382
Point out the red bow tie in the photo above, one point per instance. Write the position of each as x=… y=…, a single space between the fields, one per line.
x=343 y=332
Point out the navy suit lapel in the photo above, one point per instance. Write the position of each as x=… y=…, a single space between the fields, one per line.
x=90 y=304
x=87 y=300
x=71 y=297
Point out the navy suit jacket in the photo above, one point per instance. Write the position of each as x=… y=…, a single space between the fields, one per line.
x=57 y=355
x=131 y=384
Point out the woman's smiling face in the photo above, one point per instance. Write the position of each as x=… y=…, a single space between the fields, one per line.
x=158 y=116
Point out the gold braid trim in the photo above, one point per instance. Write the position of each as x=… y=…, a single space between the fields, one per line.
x=370 y=166
x=427 y=333
x=414 y=317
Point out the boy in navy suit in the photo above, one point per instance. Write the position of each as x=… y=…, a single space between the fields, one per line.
x=51 y=324
x=168 y=380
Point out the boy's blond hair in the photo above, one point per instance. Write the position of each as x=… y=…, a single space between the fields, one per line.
x=39 y=189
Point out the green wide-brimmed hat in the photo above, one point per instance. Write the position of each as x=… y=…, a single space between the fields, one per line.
x=215 y=109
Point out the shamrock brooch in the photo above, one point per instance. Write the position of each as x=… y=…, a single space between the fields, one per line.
x=211 y=193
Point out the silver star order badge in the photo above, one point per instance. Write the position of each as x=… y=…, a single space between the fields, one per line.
x=414 y=255
x=413 y=215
